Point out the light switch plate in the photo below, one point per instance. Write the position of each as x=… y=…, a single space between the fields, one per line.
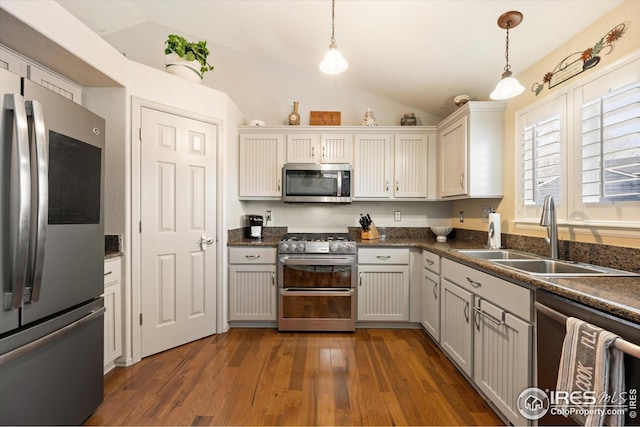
x=397 y=216
x=486 y=210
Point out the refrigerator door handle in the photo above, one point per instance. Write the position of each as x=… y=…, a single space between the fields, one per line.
x=40 y=342
x=40 y=196
x=20 y=200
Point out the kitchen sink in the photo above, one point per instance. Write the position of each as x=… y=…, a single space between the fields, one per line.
x=497 y=254
x=556 y=268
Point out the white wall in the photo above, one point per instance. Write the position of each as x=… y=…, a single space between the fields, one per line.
x=265 y=90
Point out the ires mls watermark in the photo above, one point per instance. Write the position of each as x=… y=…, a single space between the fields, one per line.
x=534 y=403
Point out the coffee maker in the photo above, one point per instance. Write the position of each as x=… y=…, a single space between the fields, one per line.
x=253 y=226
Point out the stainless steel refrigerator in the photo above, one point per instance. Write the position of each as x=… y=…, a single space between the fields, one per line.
x=51 y=256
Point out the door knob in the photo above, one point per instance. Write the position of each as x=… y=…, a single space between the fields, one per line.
x=205 y=242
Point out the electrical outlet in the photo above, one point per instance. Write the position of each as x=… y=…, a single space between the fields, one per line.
x=486 y=210
x=397 y=216
x=267 y=217
x=461 y=216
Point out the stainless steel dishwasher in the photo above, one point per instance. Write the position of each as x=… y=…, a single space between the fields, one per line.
x=551 y=314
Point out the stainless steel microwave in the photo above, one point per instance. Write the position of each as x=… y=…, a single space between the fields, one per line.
x=320 y=183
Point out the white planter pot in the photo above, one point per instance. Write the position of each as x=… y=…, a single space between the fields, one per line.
x=189 y=70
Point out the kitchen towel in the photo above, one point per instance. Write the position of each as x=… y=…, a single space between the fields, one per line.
x=494 y=241
x=590 y=363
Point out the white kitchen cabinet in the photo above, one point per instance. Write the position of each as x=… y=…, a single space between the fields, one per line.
x=252 y=284
x=492 y=343
x=383 y=284
x=392 y=166
x=470 y=151
x=319 y=148
x=261 y=160
x=455 y=325
x=430 y=295
x=113 y=314
x=502 y=357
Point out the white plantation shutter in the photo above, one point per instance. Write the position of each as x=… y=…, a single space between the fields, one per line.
x=541 y=174
x=610 y=145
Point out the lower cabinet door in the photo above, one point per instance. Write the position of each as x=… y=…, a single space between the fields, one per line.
x=252 y=292
x=502 y=357
x=456 y=326
x=383 y=292
x=431 y=304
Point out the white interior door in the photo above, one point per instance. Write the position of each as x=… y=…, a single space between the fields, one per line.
x=178 y=263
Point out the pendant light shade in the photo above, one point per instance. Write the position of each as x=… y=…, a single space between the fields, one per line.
x=508 y=86
x=333 y=62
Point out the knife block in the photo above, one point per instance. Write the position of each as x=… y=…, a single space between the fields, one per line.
x=370 y=234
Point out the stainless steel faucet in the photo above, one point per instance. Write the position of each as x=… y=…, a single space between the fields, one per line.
x=549 y=220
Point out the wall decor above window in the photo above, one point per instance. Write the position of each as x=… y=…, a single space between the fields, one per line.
x=579 y=62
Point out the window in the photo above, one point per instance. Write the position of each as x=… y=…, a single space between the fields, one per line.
x=582 y=145
x=610 y=143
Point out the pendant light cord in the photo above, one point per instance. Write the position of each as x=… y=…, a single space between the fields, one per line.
x=333 y=18
x=506 y=51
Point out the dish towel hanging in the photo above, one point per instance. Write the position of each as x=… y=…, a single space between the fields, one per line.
x=590 y=363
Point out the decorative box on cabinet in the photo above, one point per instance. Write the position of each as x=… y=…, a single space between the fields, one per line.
x=113 y=314
x=252 y=284
x=383 y=284
x=470 y=151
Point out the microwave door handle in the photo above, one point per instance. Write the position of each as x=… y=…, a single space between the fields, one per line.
x=40 y=196
x=20 y=200
x=339 y=184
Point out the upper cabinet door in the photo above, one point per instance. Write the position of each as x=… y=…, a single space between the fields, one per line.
x=317 y=148
x=261 y=160
x=411 y=166
x=372 y=166
x=452 y=148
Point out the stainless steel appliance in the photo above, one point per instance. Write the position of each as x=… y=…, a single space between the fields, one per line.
x=254 y=225
x=320 y=183
x=51 y=256
x=551 y=316
x=317 y=282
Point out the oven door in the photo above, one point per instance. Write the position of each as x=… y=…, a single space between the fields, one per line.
x=316 y=293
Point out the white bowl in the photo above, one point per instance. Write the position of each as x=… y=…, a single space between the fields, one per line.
x=441 y=233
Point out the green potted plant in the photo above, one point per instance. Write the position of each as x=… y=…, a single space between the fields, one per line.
x=186 y=59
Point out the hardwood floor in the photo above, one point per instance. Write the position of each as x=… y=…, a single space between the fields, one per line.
x=264 y=377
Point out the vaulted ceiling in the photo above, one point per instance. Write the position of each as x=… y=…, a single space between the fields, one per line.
x=420 y=53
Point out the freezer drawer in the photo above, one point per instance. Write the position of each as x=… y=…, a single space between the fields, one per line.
x=57 y=379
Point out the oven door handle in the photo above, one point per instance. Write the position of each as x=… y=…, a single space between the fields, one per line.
x=318 y=261
x=315 y=292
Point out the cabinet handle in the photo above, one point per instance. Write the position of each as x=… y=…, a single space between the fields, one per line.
x=488 y=316
x=475 y=316
x=429 y=261
x=466 y=311
x=383 y=257
x=313 y=152
x=278 y=184
x=323 y=153
x=435 y=293
x=360 y=279
x=108 y=273
x=252 y=256
x=462 y=180
x=397 y=185
x=273 y=279
x=387 y=186
x=474 y=283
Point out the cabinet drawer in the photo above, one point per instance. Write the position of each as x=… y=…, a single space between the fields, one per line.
x=112 y=271
x=431 y=261
x=246 y=255
x=509 y=296
x=383 y=256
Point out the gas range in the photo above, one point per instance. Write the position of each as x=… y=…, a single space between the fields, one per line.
x=317 y=243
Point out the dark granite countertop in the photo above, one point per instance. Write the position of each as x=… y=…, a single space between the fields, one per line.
x=619 y=296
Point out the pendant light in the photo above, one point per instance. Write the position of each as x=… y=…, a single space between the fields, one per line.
x=508 y=86
x=333 y=62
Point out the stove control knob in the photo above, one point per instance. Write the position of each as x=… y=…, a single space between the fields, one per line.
x=300 y=247
x=284 y=247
